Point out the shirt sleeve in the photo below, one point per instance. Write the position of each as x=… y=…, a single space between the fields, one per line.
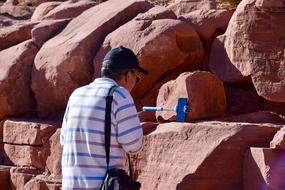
x=130 y=133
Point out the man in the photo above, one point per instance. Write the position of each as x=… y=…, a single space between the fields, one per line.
x=82 y=135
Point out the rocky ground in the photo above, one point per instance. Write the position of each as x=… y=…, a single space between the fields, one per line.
x=229 y=63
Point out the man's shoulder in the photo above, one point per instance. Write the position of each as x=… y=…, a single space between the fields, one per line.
x=122 y=92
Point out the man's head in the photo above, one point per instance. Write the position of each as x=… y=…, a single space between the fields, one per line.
x=122 y=65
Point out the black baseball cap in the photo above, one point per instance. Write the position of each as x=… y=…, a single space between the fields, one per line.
x=122 y=58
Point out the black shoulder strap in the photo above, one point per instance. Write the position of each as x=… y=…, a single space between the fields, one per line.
x=109 y=100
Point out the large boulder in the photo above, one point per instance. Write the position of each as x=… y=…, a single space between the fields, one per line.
x=163 y=46
x=27 y=132
x=182 y=7
x=264 y=169
x=44 y=9
x=155 y=13
x=202 y=155
x=69 y=9
x=204 y=91
x=208 y=22
x=251 y=48
x=268 y=67
x=15 y=34
x=221 y=65
x=47 y=29
x=15 y=78
x=64 y=62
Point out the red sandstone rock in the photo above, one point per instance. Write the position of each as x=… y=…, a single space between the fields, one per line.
x=221 y=65
x=163 y=46
x=264 y=169
x=65 y=61
x=251 y=47
x=36 y=185
x=149 y=127
x=27 y=133
x=155 y=13
x=42 y=183
x=182 y=7
x=33 y=2
x=2 y=154
x=203 y=155
x=5 y=177
x=15 y=73
x=16 y=10
x=12 y=35
x=278 y=141
x=255 y=117
x=244 y=99
x=46 y=30
x=147 y=116
x=6 y=21
x=53 y=163
x=205 y=94
x=20 y=176
x=276 y=107
x=1 y=131
x=44 y=9
x=207 y=21
x=25 y=155
x=69 y=9
x=18 y=180
x=149 y=99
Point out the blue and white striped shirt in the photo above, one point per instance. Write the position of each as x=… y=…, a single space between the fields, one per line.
x=82 y=134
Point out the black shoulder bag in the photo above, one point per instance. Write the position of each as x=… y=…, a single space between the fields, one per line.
x=115 y=179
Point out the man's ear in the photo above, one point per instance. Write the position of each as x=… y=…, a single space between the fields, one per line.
x=126 y=76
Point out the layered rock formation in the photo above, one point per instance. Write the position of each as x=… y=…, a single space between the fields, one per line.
x=31 y=148
x=156 y=32
x=65 y=62
x=230 y=68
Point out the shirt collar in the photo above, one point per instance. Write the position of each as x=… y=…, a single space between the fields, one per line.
x=105 y=80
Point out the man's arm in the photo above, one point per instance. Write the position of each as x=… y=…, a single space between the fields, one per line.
x=130 y=133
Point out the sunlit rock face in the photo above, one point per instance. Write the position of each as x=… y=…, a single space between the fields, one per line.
x=253 y=48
